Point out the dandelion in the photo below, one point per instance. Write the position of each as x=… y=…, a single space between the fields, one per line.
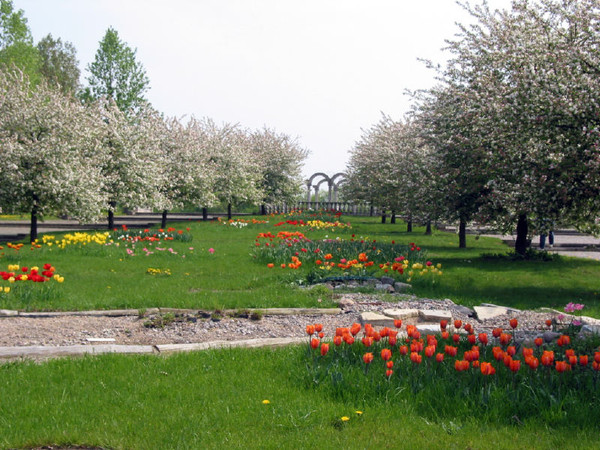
x=345 y=418
x=266 y=402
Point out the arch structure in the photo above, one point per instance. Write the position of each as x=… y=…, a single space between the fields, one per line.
x=313 y=184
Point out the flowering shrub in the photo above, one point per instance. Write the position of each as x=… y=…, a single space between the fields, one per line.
x=16 y=274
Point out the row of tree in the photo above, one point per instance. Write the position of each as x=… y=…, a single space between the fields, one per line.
x=76 y=151
x=510 y=136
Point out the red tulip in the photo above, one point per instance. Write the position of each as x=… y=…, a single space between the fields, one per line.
x=398 y=323
x=457 y=324
x=562 y=366
x=538 y=341
x=403 y=350
x=597 y=357
x=443 y=324
x=355 y=328
x=324 y=349
x=389 y=372
x=513 y=323
x=468 y=328
x=416 y=358
x=367 y=341
x=445 y=335
x=505 y=338
x=368 y=358
x=547 y=358
x=549 y=323
x=450 y=351
x=496 y=332
x=456 y=338
x=310 y=330
x=583 y=360
x=318 y=327
x=511 y=350
x=337 y=341
x=439 y=357
x=429 y=351
x=321 y=335
x=314 y=343
x=389 y=364
x=573 y=360
x=472 y=339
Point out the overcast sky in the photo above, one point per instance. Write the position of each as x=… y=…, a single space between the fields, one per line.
x=317 y=70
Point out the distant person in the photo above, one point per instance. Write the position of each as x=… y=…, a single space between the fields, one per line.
x=543 y=239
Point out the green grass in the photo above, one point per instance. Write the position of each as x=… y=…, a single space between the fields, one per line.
x=214 y=399
x=107 y=278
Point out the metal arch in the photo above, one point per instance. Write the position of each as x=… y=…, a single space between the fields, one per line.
x=337 y=175
x=314 y=175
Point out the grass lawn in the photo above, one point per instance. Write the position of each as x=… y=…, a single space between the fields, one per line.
x=215 y=398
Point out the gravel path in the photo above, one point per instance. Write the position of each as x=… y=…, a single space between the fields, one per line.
x=129 y=330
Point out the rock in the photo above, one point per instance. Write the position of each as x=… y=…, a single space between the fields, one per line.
x=550 y=336
x=387 y=280
x=508 y=309
x=589 y=330
x=8 y=313
x=376 y=319
x=402 y=314
x=464 y=310
x=402 y=287
x=384 y=287
x=345 y=303
x=428 y=328
x=434 y=315
x=485 y=312
x=589 y=321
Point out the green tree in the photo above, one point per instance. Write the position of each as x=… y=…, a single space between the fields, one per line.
x=116 y=74
x=16 y=43
x=59 y=64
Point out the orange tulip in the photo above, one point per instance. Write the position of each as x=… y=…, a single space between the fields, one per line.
x=314 y=343
x=538 y=341
x=392 y=340
x=445 y=335
x=583 y=360
x=348 y=339
x=511 y=350
x=403 y=349
x=318 y=327
x=527 y=352
x=386 y=354
x=487 y=368
x=483 y=338
x=547 y=358
x=515 y=365
x=457 y=324
x=505 y=338
x=496 y=332
x=389 y=364
x=562 y=366
x=310 y=330
x=429 y=351
x=532 y=362
x=569 y=352
x=398 y=323
x=450 y=351
x=461 y=365
x=573 y=360
x=439 y=357
x=324 y=349
x=355 y=329
x=597 y=357
x=368 y=358
x=367 y=341
x=337 y=341
x=416 y=358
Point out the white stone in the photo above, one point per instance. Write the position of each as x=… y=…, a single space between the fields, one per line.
x=489 y=312
x=402 y=314
x=435 y=315
x=428 y=328
x=376 y=319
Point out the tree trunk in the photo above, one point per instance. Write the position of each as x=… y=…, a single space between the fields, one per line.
x=33 y=232
x=521 y=243
x=409 y=225
x=204 y=214
x=462 y=233
x=229 y=211
x=393 y=217
x=163 y=223
x=263 y=210
x=371 y=211
x=428 y=228
x=111 y=215
x=383 y=216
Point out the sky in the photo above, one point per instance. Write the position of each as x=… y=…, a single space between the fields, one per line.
x=320 y=71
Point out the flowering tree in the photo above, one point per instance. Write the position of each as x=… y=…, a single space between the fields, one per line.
x=189 y=177
x=389 y=167
x=528 y=79
x=50 y=152
x=237 y=173
x=280 y=159
x=130 y=158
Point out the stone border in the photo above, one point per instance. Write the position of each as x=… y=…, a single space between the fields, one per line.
x=145 y=312
x=43 y=353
